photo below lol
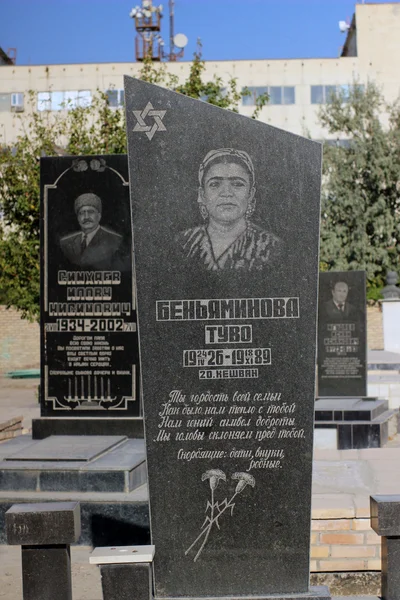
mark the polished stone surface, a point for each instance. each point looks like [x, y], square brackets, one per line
[351, 409]
[390, 568]
[46, 573]
[342, 344]
[121, 467]
[358, 435]
[65, 448]
[227, 335]
[43, 523]
[89, 343]
[46, 426]
[126, 582]
[385, 515]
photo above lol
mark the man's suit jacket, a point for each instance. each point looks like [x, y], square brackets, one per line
[97, 255]
[332, 311]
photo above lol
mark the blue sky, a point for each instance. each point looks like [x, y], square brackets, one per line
[74, 31]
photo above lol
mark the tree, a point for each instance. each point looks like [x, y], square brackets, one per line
[360, 226]
[83, 130]
[94, 129]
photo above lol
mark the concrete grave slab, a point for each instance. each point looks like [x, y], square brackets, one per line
[66, 448]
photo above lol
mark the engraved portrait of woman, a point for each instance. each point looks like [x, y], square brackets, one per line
[228, 239]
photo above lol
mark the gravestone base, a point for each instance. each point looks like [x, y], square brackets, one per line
[46, 572]
[73, 464]
[46, 426]
[314, 593]
[126, 581]
[359, 422]
[108, 518]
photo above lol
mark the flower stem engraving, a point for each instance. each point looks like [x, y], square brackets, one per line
[214, 476]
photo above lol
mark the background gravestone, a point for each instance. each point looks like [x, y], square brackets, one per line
[342, 343]
[89, 349]
[227, 342]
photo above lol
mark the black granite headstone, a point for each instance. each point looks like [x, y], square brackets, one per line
[342, 343]
[385, 521]
[89, 348]
[126, 582]
[226, 223]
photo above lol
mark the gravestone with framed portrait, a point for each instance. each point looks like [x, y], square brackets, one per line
[89, 347]
[345, 417]
[342, 343]
[226, 229]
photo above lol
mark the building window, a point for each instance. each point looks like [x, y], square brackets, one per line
[340, 143]
[44, 101]
[254, 93]
[277, 95]
[115, 98]
[288, 95]
[5, 102]
[321, 94]
[223, 92]
[17, 102]
[84, 98]
[66, 100]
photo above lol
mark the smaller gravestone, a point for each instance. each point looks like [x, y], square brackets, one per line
[89, 348]
[342, 344]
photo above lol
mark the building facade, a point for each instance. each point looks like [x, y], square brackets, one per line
[297, 87]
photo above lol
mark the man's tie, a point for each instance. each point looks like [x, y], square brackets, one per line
[341, 307]
[83, 244]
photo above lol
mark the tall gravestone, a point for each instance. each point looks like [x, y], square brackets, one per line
[342, 343]
[226, 224]
[89, 348]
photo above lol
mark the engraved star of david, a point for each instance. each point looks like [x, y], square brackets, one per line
[141, 124]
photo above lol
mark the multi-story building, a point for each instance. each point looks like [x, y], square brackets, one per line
[297, 87]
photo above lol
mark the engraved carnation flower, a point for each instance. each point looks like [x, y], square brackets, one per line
[98, 164]
[79, 165]
[214, 475]
[244, 479]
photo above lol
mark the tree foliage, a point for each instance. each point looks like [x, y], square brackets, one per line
[94, 129]
[360, 226]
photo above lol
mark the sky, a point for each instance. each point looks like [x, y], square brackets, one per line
[85, 31]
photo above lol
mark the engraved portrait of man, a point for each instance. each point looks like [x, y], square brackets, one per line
[94, 246]
[338, 308]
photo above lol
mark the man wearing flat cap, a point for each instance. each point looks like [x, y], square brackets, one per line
[94, 246]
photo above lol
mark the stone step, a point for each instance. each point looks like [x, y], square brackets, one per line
[349, 409]
[361, 434]
[107, 519]
[72, 464]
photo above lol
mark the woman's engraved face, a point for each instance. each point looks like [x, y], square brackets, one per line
[226, 192]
